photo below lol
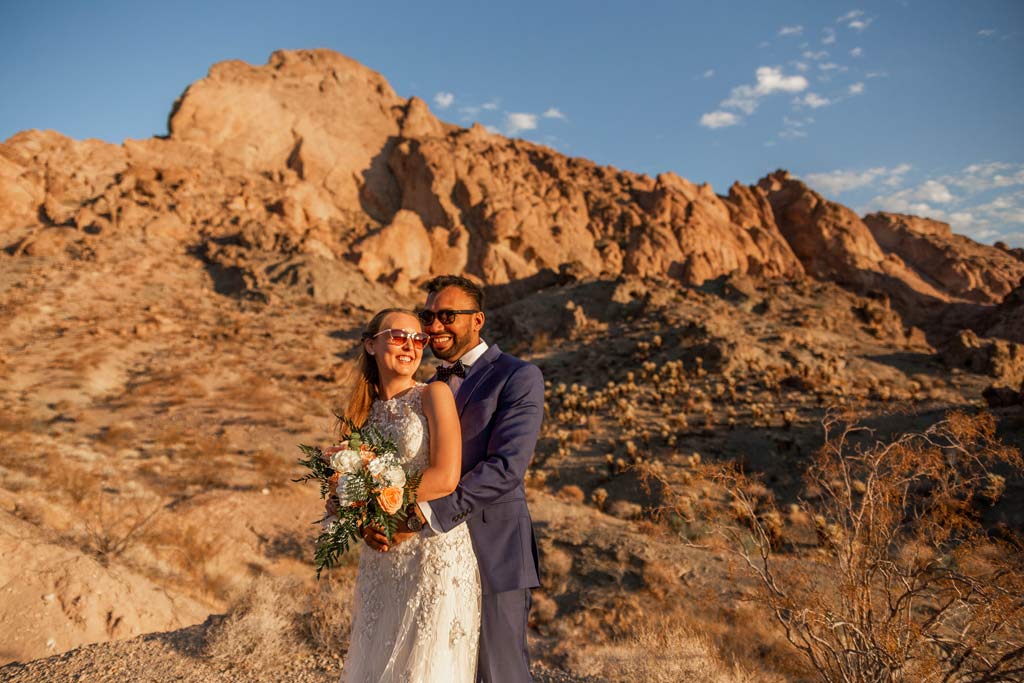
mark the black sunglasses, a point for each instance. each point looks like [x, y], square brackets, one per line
[446, 316]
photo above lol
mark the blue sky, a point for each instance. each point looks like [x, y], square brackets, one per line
[909, 106]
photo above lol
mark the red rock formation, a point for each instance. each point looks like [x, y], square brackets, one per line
[955, 264]
[833, 243]
[314, 157]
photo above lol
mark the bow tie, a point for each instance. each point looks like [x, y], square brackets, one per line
[458, 369]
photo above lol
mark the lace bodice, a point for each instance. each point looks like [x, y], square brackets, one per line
[403, 420]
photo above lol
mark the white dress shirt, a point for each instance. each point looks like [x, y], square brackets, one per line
[468, 358]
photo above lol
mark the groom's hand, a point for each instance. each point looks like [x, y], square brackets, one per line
[375, 538]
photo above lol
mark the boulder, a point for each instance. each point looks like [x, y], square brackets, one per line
[996, 358]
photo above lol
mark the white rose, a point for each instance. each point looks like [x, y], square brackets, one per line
[377, 467]
[346, 462]
[396, 476]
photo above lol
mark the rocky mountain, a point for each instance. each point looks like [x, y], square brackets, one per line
[311, 171]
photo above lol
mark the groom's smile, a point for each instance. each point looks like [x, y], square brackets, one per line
[440, 342]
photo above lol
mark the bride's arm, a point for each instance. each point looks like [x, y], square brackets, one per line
[442, 476]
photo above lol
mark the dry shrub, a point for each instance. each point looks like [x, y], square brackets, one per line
[557, 564]
[113, 526]
[907, 585]
[75, 483]
[571, 493]
[193, 549]
[663, 649]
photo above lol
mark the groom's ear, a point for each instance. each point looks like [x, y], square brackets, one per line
[478, 321]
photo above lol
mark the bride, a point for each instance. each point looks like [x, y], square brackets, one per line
[416, 612]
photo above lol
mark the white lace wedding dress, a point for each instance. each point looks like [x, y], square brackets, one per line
[416, 608]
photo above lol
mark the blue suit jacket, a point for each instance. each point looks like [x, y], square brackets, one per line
[501, 406]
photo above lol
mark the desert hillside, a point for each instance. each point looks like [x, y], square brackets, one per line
[177, 314]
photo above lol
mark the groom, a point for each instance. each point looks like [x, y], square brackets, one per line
[500, 400]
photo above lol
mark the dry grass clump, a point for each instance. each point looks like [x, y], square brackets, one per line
[277, 618]
[264, 626]
[662, 649]
[329, 616]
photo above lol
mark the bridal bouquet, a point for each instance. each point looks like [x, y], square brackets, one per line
[371, 486]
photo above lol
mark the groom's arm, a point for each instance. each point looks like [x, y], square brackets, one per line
[510, 448]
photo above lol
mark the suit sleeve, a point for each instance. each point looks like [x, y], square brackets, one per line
[510, 448]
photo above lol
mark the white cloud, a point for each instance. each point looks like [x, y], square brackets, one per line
[844, 180]
[983, 206]
[719, 119]
[986, 32]
[800, 66]
[519, 121]
[855, 19]
[815, 56]
[856, 52]
[770, 80]
[791, 30]
[856, 89]
[709, 73]
[489, 106]
[829, 37]
[469, 111]
[877, 74]
[553, 113]
[443, 100]
[933, 191]
[794, 128]
[814, 101]
[831, 66]
[894, 177]
[986, 176]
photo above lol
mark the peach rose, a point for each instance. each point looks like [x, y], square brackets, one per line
[390, 499]
[332, 482]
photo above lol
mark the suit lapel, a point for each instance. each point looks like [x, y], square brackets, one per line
[480, 369]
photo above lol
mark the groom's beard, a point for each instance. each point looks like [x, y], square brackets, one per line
[453, 350]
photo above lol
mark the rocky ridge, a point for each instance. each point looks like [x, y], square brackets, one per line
[310, 171]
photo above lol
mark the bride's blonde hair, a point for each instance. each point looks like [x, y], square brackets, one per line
[366, 381]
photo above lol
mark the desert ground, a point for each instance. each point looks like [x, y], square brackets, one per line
[178, 314]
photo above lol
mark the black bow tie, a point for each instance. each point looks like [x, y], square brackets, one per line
[458, 369]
